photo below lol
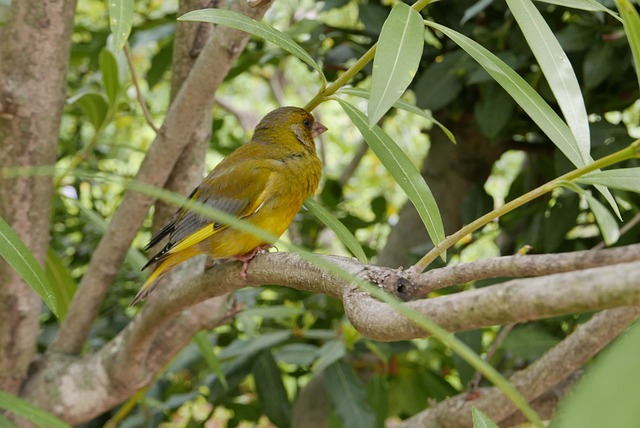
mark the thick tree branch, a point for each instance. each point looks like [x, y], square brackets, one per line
[169, 318]
[196, 95]
[551, 369]
[34, 53]
[519, 266]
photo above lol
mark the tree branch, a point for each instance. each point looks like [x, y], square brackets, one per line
[550, 370]
[196, 95]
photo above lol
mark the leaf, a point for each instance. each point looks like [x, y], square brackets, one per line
[254, 345]
[62, 283]
[328, 354]
[441, 81]
[202, 342]
[606, 222]
[402, 170]
[110, 78]
[526, 97]
[94, 105]
[493, 111]
[607, 396]
[557, 69]
[22, 408]
[480, 420]
[5, 422]
[378, 398]
[632, 30]
[18, 256]
[597, 65]
[396, 61]
[623, 179]
[402, 104]
[301, 354]
[348, 396]
[588, 5]
[120, 21]
[344, 235]
[241, 22]
[271, 392]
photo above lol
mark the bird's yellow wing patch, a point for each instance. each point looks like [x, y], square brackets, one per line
[195, 237]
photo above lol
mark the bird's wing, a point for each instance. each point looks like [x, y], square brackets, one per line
[238, 190]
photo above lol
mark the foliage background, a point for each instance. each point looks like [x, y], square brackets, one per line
[287, 354]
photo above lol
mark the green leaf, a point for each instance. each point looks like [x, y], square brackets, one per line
[348, 396]
[623, 179]
[328, 354]
[344, 235]
[480, 420]
[402, 170]
[557, 69]
[271, 392]
[120, 21]
[94, 105]
[62, 283]
[18, 256]
[301, 354]
[632, 30]
[598, 64]
[441, 82]
[241, 22]
[22, 408]
[608, 395]
[402, 104]
[588, 5]
[110, 78]
[526, 97]
[378, 398]
[254, 345]
[493, 111]
[396, 60]
[5, 422]
[606, 222]
[202, 342]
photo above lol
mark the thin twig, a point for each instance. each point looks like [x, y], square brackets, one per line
[134, 78]
[624, 229]
[494, 347]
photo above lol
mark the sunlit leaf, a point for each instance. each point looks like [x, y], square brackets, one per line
[344, 235]
[632, 30]
[120, 21]
[402, 170]
[18, 256]
[556, 68]
[480, 420]
[396, 60]
[241, 22]
[22, 408]
[623, 179]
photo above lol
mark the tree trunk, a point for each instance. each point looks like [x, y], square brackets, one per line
[33, 69]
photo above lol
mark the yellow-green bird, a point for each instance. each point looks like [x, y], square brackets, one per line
[264, 182]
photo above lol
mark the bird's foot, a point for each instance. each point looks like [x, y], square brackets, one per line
[247, 257]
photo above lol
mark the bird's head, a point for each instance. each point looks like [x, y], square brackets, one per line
[289, 124]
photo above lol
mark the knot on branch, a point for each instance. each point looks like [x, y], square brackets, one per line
[394, 281]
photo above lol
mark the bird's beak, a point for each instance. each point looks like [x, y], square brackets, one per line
[317, 128]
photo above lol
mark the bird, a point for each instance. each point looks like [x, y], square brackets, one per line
[264, 182]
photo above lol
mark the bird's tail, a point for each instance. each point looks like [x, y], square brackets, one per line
[162, 268]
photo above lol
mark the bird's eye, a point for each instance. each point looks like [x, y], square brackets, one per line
[307, 123]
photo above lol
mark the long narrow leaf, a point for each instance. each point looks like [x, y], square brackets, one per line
[18, 256]
[201, 341]
[396, 60]
[273, 396]
[348, 396]
[623, 179]
[403, 105]
[120, 21]
[344, 235]
[556, 68]
[480, 420]
[589, 5]
[632, 30]
[402, 170]
[24, 409]
[241, 22]
[526, 97]
[62, 283]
